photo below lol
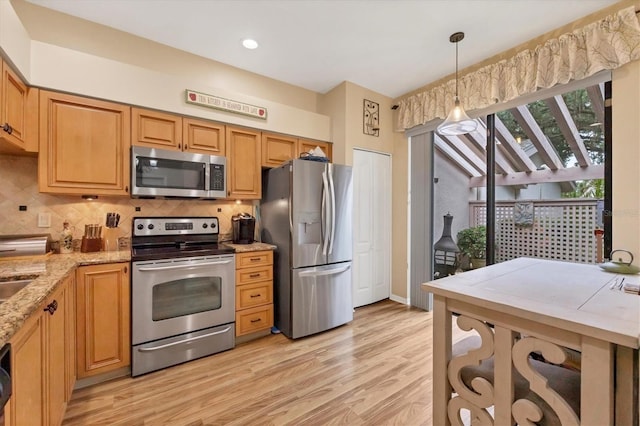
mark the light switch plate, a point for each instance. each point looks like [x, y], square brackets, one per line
[44, 220]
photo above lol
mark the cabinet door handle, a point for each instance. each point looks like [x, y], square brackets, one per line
[255, 295]
[254, 275]
[179, 146]
[256, 320]
[126, 189]
[255, 259]
[126, 269]
[7, 128]
[185, 146]
[52, 307]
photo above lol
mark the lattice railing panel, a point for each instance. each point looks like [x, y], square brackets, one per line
[561, 230]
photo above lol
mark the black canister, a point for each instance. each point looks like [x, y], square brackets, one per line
[244, 226]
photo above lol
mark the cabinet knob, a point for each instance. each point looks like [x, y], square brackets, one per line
[185, 146]
[7, 128]
[179, 146]
[126, 189]
[126, 269]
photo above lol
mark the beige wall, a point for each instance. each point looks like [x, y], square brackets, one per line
[626, 158]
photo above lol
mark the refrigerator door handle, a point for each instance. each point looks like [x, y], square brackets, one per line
[325, 213]
[325, 272]
[332, 192]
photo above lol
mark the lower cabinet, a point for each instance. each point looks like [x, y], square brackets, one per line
[40, 358]
[254, 292]
[103, 311]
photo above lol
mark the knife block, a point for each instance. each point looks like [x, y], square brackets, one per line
[90, 244]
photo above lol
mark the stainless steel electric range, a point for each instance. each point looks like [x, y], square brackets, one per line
[182, 291]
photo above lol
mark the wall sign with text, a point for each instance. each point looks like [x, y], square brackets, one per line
[223, 104]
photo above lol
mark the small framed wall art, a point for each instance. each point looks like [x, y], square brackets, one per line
[370, 118]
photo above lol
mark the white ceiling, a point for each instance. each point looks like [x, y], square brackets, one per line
[389, 46]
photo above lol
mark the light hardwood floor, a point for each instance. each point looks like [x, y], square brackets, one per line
[374, 371]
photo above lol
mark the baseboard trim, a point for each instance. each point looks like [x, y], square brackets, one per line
[399, 299]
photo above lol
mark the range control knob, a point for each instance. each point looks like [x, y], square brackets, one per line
[213, 225]
[150, 226]
[140, 226]
[205, 226]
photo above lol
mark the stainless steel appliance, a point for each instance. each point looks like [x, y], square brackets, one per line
[182, 291]
[306, 212]
[243, 226]
[163, 173]
[24, 245]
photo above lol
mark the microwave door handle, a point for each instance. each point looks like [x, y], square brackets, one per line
[165, 268]
[325, 213]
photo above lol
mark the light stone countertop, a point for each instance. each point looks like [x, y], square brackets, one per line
[243, 248]
[49, 272]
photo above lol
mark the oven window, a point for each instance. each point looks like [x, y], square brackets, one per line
[165, 173]
[186, 296]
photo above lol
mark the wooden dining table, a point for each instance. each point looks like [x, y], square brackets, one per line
[524, 306]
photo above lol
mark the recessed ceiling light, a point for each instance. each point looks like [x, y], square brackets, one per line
[250, 43]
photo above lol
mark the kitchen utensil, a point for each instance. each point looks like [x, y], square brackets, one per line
[619, 266]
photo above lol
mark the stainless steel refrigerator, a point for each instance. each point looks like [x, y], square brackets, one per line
[306, 211]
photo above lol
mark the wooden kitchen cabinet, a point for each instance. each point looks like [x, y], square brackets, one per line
[41, 353]
[203, 137]
[254, 291]
[155, 129]
[84, 145]
[305, 145]
[103, 312]
[243, 164]
[28, 374]
[18, 114]
[57, 354]
[276, 149]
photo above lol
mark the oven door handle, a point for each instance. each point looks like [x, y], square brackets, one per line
[181, 342]
[164, 268]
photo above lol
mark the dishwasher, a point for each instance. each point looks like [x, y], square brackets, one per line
[5, 379]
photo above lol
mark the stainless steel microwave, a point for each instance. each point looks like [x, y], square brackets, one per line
[163, 173]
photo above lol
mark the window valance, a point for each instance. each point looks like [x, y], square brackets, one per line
[602, 45]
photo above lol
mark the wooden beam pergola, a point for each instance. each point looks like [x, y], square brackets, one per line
[455, 158]
[479, 140]
[560, 112]
[463, 150]
[523, 162]
[596, 95]
[568, 174]
[532, 129]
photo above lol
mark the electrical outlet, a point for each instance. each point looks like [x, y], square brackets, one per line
[44, 220]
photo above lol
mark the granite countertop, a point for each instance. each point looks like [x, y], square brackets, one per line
[47, 273]
[243, 248]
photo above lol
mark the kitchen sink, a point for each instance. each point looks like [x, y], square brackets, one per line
[9, 288]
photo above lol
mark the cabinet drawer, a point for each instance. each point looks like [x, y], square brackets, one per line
[254, 319]
[253, 275]
[250, 295]
[256, 258]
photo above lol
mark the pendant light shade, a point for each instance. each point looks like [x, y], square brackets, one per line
[457, 122]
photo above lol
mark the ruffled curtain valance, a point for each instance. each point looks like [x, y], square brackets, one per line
[602, 45]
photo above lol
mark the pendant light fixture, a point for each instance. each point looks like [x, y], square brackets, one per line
[457, 122]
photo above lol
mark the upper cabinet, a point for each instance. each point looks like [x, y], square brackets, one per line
[18, 114]
[243, 164]
[203, 137]
[156, 129]
[84, 145]
[276, 149]
[306, 145]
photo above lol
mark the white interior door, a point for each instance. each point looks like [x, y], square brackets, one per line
[371, 227]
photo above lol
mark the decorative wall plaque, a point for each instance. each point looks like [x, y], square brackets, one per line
[216, 102]
[370, 118]
[523, 214]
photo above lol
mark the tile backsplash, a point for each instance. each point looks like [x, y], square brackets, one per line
[19, 187]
